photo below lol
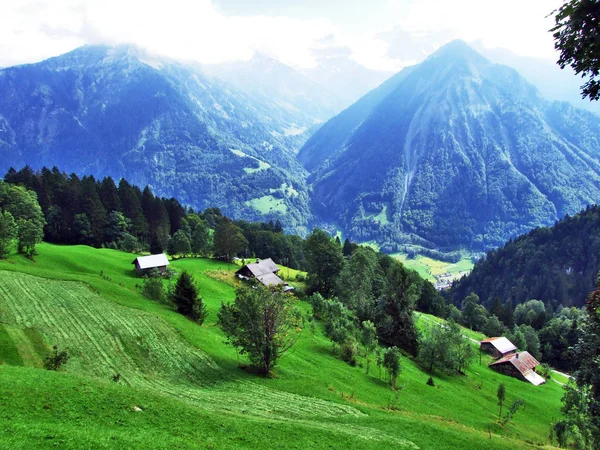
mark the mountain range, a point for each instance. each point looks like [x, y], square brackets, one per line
[453, 152]
[456, 151]
[120, 112]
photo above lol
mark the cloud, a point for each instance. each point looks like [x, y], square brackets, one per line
[520, 26]
[400, 31]
[181, 29]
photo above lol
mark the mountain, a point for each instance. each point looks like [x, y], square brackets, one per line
[453, 152]
[120, 112]
[343, 76]
[553, 82]
[281, 87]
[556, 264]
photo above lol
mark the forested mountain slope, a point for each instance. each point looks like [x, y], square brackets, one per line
[453, 152]
[557, 265]
[122, 113]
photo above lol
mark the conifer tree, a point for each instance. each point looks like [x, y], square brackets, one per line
[187, 300]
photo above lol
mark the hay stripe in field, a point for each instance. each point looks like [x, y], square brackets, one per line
[107, 338]
[9, 354]
[24, 347]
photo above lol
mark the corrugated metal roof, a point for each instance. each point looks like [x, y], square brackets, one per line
[270, 279]
[263, 267]
[502, 344]
[148, 262]
[533, 378]
[522, 361]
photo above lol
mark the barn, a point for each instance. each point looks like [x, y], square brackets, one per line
[497, 346]
[519, 365]
[263, 270]
[144, 264]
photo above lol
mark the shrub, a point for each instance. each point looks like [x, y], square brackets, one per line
[348, 351]
[56, 359]
[154, 290]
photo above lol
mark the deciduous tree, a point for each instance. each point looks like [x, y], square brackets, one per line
[262, 323]
[577, 38]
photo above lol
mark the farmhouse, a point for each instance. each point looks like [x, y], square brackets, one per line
[265, 271]
[519, 365]
[144, 264]
[497, 346]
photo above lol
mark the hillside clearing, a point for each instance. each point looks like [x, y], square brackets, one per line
[314, 400]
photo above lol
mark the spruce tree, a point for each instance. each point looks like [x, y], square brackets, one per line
[187, 300]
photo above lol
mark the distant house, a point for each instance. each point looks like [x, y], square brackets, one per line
[519, 365]
[144, 264]
[265, 271]
[497, 346]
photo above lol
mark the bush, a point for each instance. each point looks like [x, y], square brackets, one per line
[348, 351]
[300, 277]
[430, 382]
[57, 359]
[154, 290]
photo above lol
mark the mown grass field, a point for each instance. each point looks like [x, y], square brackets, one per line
[189, 383]
[267, 204]
[430, 268]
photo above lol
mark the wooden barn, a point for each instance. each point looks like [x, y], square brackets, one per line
[497, 346]
[519, 365]
[144, 264]
[265, 271]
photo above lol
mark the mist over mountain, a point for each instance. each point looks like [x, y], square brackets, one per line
[454, 152]
[120, 112]
[337, 72]
[283, 89]
[553, 82]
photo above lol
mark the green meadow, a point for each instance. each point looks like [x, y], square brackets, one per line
[430, 268]
[181, 386]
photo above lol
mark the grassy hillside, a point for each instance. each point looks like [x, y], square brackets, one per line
[435, 270]
[188, 382]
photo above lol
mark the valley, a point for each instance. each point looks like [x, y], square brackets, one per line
[273, 225]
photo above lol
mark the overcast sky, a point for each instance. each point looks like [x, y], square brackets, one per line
[380, 34]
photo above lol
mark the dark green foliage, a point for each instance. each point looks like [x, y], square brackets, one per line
[229, 240]
[355, 282]
[8, 232]
[474, 315]
[56, 359]
[368, 339]
[446, 349]
[556, 265]
[576, 426]
[154, 290]
[23, 206]
[430, 382]
[186, 299]
[262, 323]
[201, 241]
[179, 244]
[144, 221]
[391, 363]
[576, 36]
[324, 260]
[349, 351]
[501, 395]
[394, 316]
[581, 404]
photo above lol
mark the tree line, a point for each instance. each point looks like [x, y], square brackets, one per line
[99, 213]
